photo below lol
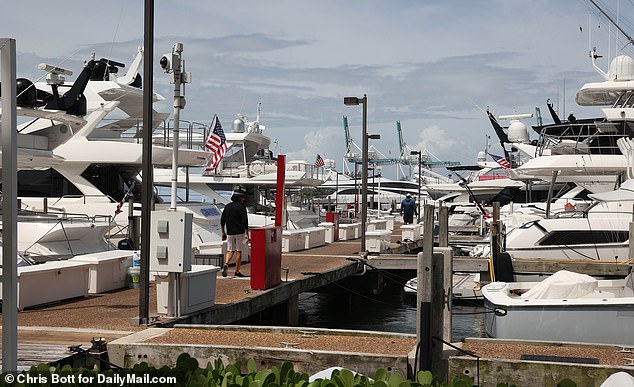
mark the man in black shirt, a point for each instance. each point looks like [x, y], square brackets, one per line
[234, 223]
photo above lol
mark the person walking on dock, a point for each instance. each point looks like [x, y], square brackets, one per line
[234, 223]
[408, 209]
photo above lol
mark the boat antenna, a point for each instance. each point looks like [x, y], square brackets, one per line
[628, 37]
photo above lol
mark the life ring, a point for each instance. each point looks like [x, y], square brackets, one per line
[256, 168]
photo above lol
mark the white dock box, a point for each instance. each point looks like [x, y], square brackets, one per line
[108, 269]
[411, 232]
[348, 231]
[294, 240]
[377, 224]
[378, 240]
[197, 290]
[315, 237]
[390, 222]
[330, 231]
[50, 282]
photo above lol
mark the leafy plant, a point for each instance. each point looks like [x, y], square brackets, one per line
[187, 372]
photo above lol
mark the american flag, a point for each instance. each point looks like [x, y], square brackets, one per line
[319, 162]
[501, 160]
[216, 144]
[125, 197]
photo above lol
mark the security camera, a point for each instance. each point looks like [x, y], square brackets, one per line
[165, 63]
[170, 62]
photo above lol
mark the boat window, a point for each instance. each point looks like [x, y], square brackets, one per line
[233, 156]
[581, 237]
[44, 183]
[113, 180]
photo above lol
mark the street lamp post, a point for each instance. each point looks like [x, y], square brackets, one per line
[380, 168]
[364, 170]
[419, 153]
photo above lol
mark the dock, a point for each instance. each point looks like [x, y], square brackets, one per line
[47, 332]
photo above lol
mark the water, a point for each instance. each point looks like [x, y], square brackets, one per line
[349, 307]
[391, 311]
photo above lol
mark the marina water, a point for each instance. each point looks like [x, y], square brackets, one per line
[390, 311]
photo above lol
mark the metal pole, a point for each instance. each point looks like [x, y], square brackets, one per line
[379, 197]
[337, 192]
[148, 178]
[419, 183]
[364, 173]
[178, 49]
[9, 205]
[550, 193]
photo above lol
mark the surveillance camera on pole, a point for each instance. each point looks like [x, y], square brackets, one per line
[170, 62]
[173, 64]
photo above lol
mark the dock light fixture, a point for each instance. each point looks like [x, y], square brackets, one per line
[419, 153]
[349, 101]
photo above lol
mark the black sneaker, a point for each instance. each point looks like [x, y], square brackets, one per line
[224, 270]
[238, 274]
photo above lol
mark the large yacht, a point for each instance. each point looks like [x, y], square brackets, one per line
[74, 162]
[599, 230]
[249, 164]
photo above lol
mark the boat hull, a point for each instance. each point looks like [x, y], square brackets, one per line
[596, 320]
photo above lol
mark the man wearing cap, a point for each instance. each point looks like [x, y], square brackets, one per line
[408, 209]
[234, 223]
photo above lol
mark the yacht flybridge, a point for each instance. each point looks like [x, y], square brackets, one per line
[73, 159]
[248, 163]
[595, 154]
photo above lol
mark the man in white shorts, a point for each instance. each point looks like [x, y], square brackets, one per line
[234, 223]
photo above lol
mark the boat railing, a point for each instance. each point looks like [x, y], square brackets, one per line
[54, 222]
[192, 134]
[67, 217]
[581, 138]
[55, 205]
[310, 170]
[570, 214]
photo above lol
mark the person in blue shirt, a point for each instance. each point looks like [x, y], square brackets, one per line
[408, 209]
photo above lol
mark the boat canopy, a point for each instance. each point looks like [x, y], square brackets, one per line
[562, 284]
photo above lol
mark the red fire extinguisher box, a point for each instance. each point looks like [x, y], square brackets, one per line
[266, 257]
[333, 217]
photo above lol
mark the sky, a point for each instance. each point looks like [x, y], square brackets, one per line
[435, 66]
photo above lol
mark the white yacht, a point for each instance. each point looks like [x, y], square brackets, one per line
[585, 151]
[566, 306]
[86, 165]
[600, 230]
[384, 192]
[248, 163]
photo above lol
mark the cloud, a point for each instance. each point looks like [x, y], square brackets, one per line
[431, 65]
[328, 142]
[435, 140]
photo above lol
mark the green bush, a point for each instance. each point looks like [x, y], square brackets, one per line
[187, 372]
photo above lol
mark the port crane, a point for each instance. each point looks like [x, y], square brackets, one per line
[353, 154]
